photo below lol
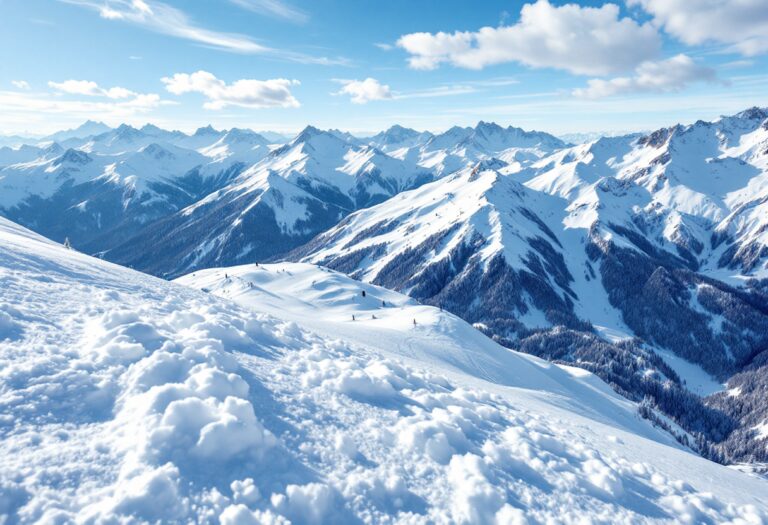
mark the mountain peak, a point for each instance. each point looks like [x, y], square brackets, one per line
[488, 126]
[73, 156]
[151, 128]
[93, 124]
[207, 130]
[157, 152]
[309, 133]
[753, 113]
[127, 132]
[53, 149]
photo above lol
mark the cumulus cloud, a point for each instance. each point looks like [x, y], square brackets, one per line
[743, 24]
[582, 40]
[168, 20]
[672, 74]
[248, 93]
[21, 84]
[364, 91]
[91, 89]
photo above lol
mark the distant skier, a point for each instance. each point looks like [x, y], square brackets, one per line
[353, 317]
[414, 322]
[363, 293]
[383, 304]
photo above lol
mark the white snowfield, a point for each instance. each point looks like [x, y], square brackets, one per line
[128, 399]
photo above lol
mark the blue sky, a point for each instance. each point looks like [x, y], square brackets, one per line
[363, 65]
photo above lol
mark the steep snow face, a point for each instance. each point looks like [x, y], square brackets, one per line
[167, 404]
[700, 189]
[244, 145]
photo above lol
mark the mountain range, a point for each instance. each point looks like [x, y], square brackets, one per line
[641, 258]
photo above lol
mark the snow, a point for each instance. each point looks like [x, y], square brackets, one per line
[130, 399]
[762, 430]
[696, 379]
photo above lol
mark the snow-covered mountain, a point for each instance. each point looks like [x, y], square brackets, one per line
[89, 128]
[658, 237]
[98, 199]
[127, 398]
[101, 189]
[700, 191]
[297, 191]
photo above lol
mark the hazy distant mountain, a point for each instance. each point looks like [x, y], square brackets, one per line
[86, 129]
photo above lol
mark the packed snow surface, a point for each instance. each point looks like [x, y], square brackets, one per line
[127, 399]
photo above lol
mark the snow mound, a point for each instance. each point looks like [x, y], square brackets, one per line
[124, 398]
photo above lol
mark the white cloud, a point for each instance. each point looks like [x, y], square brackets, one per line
[582, 40]
[668, 75]
[91, 89]
[21, 84]
[439, 91]
[364, 91]
[276, 8]
[17, 106]
[383, 46]
[742, 24]
[165, 19]
[274, 93]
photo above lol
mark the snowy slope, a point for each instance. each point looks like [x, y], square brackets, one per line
[161, 403]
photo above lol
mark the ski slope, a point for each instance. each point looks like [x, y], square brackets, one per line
[326, 301]
[128, 399]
